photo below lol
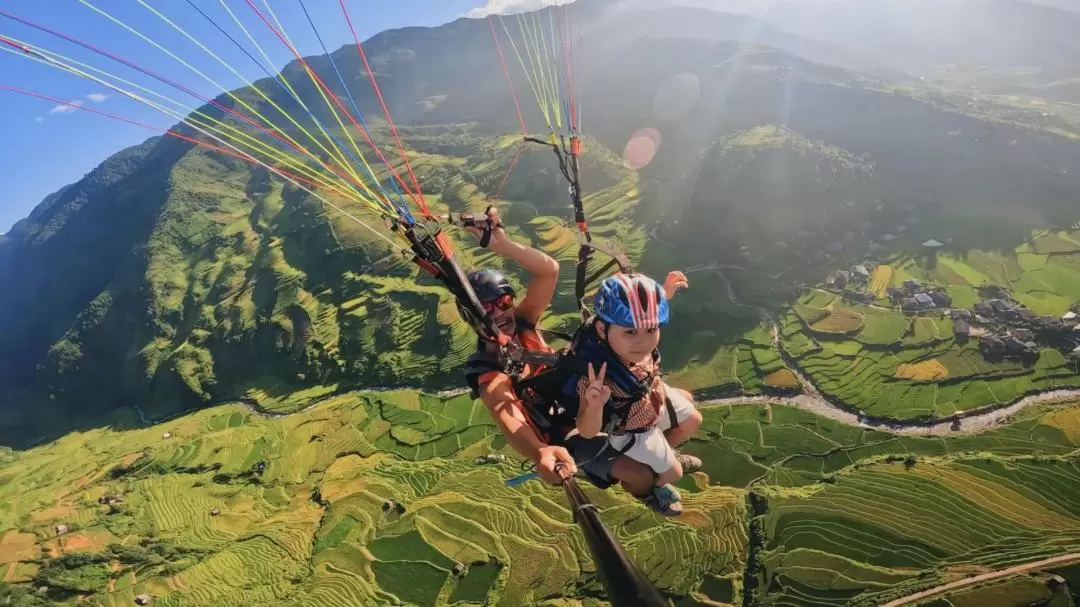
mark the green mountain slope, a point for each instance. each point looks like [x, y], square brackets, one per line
[246, 287]
[171, 278]
[195, 356]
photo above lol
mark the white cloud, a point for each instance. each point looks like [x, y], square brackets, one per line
[507, 7]
[66, 109]
[97, 97]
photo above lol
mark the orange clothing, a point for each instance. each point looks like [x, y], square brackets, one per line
[530, 339]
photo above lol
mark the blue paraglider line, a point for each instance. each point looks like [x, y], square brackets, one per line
[402, 208]
[277, 79]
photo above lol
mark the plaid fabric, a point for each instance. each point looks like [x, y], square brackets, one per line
[642, 413]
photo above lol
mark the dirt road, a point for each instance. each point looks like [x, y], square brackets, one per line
[1064, 559]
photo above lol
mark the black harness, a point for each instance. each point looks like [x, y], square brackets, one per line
[550, 398]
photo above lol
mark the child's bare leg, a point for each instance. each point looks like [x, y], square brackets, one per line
[672, 474]
[636, 478]
[688, 426]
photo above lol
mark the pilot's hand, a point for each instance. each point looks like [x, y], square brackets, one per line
[554, 464]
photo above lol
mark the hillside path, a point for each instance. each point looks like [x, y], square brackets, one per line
[986, 577]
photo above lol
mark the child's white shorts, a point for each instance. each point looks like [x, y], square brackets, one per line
[649, 447]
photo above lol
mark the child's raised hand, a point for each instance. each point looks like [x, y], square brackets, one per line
[597, 394]
[675, 280]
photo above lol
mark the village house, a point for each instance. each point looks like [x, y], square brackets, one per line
[1024, 335]
[983, 309]
[961, 328]
[991, 345]
[1014, 346]
[924, 301]
[1051, 322]
[941, 299]
[961, 314]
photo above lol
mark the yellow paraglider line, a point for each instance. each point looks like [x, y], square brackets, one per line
[255, 112]
[322, 94]
[34, 54]
[530, 76]
[52, 59]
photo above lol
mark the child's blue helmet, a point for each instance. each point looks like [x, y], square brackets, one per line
[632, 300]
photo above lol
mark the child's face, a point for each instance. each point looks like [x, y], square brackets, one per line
[631, 345]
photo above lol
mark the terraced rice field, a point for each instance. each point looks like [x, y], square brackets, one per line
[314, 528]
[839, 322]
[906, 367]
[854, 516]
[858, 517]
[881, 280]
[746, 367]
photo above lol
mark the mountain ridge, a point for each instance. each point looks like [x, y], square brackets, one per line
[226, 280]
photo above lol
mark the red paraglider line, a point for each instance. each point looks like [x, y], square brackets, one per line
[517, 106]
[506, 72]
[168, 132]
[176, 85]
[386, 111]
[318, 81]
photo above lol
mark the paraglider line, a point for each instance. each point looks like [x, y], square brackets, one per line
[386, 111]
[288, 90]
[356, 108]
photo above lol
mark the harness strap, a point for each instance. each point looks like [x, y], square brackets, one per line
[629, 445]
[672, 416]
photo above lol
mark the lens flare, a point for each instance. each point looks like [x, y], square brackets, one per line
[677, 96]
[642, 148]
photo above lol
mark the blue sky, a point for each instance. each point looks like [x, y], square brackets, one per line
[46, 147]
